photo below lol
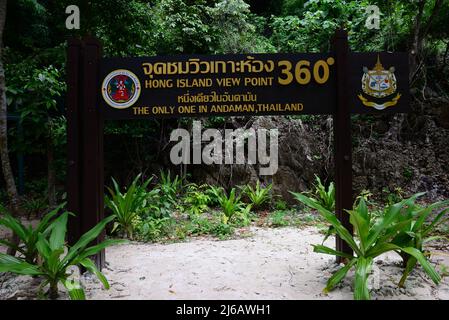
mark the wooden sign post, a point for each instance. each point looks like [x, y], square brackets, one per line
[85, 190]
[342, 141]
[338, 83]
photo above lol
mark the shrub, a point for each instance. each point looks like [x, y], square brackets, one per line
[200, 225]
[258, 196]
[278, 219]
[158, 205]
[230, 205]
[215, 193]
[55, 258]
[322, 196]
[244, 216]
[325, 197]
[415, 231]
[127, 206]
[394, 196]
[170, 188]
[222, 230]
[153, 228]
[28, 235]
[280, 205]
[196, 200]
[374, 238]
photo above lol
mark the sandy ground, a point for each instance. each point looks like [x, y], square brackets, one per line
[270, 264]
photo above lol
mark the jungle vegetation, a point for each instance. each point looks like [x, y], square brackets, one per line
[152, 205]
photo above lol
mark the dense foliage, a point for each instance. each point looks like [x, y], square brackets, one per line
[35, 57]
[394, 229]
[166, 206]
[45, 254]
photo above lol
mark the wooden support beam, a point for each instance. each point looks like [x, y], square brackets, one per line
[73, 139]
[342, 140]
[85, 140]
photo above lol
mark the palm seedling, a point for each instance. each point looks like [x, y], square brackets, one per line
[196, 200]
[418, 228]
[127, 205]
[214, 193]
[326, 197]
[170, 187]
[55, 258]
[259, 195]
[28, 235]
[374, 237]
[230, 205]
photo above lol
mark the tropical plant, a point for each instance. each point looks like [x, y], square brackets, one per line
[55, 258]
[278, 218]
[35, 205]
[325, 197]
[170, 187]
[280, 205]
[28, 235]
[244, 215]
[230, 205]
[153, 228]
[222, 230]
[157, 206]
[374, 239]
[394, 196]
[126, 206]
[200, 224]
[196, 200]
[259, 195]
[417, 230]
[215, 193]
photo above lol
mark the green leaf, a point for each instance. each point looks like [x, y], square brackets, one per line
[381, 248]
[433, 238]
[339, 275]
[86, 238]
[423, 214]
[15, 226]
[43, 247]
[97, 248]
[431, 272]
[411, 263]
[388, 219]
[75, 290]
[90, 266]
[12, 264]
[435, 222]
[57, 236]
[43, 224]
[326, 250]
[362, 271]
[362, 209]
[332, 219]
[361, 226]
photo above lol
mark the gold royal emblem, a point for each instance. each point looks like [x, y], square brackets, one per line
[379, 83]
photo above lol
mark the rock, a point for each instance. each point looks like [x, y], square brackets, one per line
[303, 151]
[408, 151]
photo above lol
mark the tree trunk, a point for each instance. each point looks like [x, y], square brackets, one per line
[417, 40]
[419, 33]
[51, 175]
[4, 155]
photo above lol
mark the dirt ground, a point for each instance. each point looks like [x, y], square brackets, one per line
[269, 264]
